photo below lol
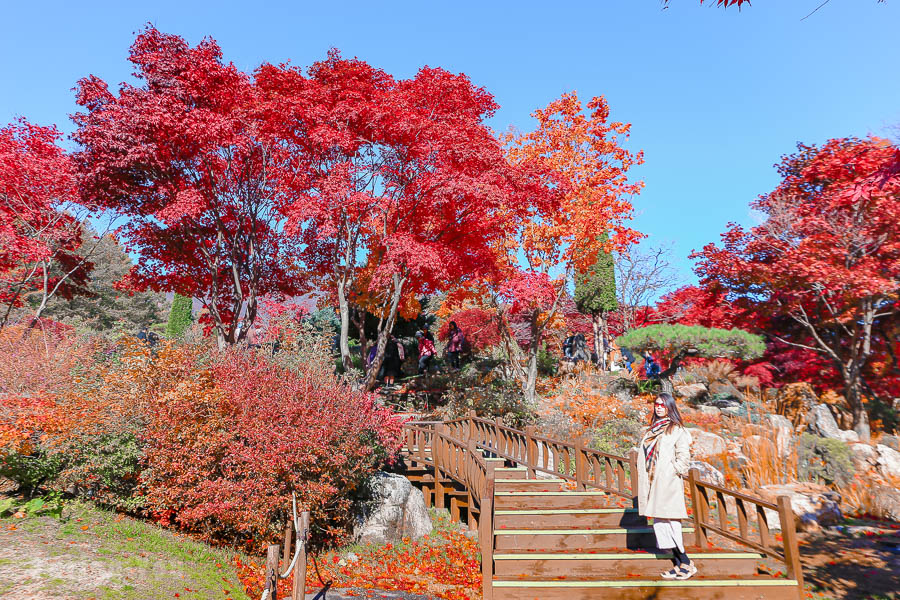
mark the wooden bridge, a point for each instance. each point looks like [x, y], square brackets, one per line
[557, 520]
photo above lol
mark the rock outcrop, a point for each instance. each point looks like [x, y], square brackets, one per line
[395, 511]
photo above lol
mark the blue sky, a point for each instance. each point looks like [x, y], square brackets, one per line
[715, 96]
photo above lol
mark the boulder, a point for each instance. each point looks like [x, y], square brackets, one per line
[784, 433]
[822, 423]
[864, 456]
[813, 505]
[708, 472]
[891, 441]
[710, 410]
[725, 390]
[396, 510]
[756, 446]
[734, 411]
[888, 461]
[849, 436]
[729, 402]
[693, 391]
[886, 502]
[706, 444]
[779, 422]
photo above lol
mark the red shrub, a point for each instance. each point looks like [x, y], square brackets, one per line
[226, 447]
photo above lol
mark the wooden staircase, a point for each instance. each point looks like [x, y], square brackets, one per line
[557, 521]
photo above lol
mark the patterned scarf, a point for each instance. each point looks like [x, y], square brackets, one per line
[650, 443]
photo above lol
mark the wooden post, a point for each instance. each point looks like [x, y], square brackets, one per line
[498, 423]
[286, 549]
[486, 535]
[472, 415]
[437, 453]
[633, 471]
[531, 451]
[697, 506]
[299, 590]
[272, 570]
[580, 471]
[789, 535]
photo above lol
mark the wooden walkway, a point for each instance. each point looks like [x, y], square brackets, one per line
[557, 520]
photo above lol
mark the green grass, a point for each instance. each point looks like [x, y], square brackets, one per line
[137, 560]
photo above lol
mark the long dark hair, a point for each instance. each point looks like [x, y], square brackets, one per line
[671, 412]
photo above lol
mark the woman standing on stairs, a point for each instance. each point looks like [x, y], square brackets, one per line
[664, 457]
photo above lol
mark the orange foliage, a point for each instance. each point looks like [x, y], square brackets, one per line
[584, 151]
[442, 565]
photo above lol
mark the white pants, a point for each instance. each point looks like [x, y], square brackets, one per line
[668, 533]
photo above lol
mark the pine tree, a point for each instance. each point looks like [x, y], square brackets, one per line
[179, 316]
[595, 294]
[107, 308]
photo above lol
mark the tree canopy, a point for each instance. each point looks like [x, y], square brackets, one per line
[705, 342]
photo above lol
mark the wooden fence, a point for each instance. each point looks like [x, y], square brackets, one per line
[279, 562]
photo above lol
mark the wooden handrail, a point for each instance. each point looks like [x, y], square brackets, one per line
[461, 458]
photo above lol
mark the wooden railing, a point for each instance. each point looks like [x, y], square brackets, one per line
[456, 450]
[752, 529]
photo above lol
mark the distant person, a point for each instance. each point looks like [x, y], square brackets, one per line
[427, 333]
[426, 351]
[253, 336]
[393, 360]
[628, 357]
[568, 346]
[579, 348]
[455, 344]
[651, 367]
[370, 356]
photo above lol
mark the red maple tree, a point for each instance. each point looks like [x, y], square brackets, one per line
[40, 224]
[407, 186]
[187, 158]
[822, 269]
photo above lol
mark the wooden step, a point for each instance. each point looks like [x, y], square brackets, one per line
[549, 500]
[574, 540]
[567, 518]
[611, 564]
[641, 588]
[530, 485]
[510, 473]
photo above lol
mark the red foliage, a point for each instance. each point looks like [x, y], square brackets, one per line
[187, 158]
[226, 447]
[698, 305]
[480, 327]
[405, 189]
[37, 185]
[820, 273]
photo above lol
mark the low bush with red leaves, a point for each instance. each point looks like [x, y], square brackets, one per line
[225, 449]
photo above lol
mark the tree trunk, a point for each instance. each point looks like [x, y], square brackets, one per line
[344, 314]
[359, 320]
[854, 396]
[597, 323]
[665, 377]
[384, 331]
[533, 350]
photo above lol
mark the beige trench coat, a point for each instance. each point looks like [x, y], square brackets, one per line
[665, 498]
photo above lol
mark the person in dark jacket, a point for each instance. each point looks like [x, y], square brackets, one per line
[393, 359]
